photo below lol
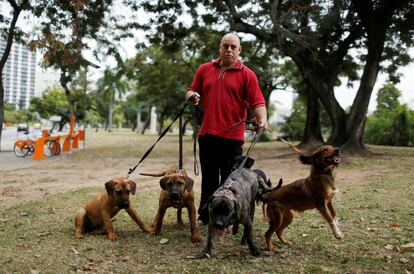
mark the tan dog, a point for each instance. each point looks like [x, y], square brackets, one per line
[96, 215]
[176, 191]
[315, 191]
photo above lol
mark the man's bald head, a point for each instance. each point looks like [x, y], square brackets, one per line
[229, 49]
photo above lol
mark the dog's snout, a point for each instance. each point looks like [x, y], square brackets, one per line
[219, 224]
[175, 196]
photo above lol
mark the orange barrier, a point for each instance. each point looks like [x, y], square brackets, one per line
[38, 153]
[81, 135]
[75, 143]
[66, 143]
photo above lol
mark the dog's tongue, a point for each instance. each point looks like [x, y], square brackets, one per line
[219, 232]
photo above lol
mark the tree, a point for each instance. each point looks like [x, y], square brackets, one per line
[108, 87]
[9, 31]
[317, 36]
[65, 35]
[391, 123]
[53, 102]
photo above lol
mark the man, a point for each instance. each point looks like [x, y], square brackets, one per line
[227, 88]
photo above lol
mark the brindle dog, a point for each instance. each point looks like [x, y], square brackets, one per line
[232, 204]
[176, 191]
[314, 191]
[96, 215]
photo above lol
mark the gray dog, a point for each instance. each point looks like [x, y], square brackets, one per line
[232, 204]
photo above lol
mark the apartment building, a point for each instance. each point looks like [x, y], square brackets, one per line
[19, 75]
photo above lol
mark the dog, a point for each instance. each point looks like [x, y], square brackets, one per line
[314, 191]
[232, 204]
[176, 191]
[96, 215]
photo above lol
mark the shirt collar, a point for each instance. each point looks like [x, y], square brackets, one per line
[237, 66]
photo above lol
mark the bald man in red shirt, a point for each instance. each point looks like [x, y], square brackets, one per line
[227, 88]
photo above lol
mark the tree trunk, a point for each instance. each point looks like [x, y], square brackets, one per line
[147, 121]
[16, 12]
[312, 136]
[356, 123]
[161, 122]
[110, 110]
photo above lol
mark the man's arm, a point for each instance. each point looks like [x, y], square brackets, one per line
[260, 114]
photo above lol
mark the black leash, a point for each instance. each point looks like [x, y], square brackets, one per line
[255, 140]
[131, 170]
[195, 134]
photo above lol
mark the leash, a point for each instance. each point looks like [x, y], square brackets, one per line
[196, 167]
[180, 145]
[293, 147]
[254, 124]
[255, 140]
[131, 170]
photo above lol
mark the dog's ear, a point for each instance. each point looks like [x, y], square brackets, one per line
[109, 186]
[189, 184]
[306, 160]
[133, 186]
[163, 182]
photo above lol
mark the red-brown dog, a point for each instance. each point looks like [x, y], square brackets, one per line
[96, 215]
[315, 191]
[176, 191]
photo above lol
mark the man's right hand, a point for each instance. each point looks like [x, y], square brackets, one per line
[193, 97]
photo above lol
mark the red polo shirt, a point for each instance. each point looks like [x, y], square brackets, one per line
[225, 96]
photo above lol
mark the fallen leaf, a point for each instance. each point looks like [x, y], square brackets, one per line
[191, 257]
[407, 246]
[393, 225]
[164, 241]
[37, 256]
[23, 213]
[304, 235]
[34, 271]
[387, 258]
[75, 251]
[404, 260]
[372, 229]
[389, 247]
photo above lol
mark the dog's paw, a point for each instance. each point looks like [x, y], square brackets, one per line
[112, 236]
[196, 239]
[339, 235]
[79, 236]
[255, 252]
[204, 255]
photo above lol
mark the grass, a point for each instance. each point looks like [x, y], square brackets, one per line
[376, 216]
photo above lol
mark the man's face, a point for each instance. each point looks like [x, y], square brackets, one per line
[229, 49]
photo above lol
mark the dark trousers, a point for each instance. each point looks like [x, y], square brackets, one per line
[216, 159]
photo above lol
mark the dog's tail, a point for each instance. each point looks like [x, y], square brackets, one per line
[264, 190]
[154, 174]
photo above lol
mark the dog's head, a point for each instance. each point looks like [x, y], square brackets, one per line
[223, 210]
[325, 158]
[119, 189]
[175, 184]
